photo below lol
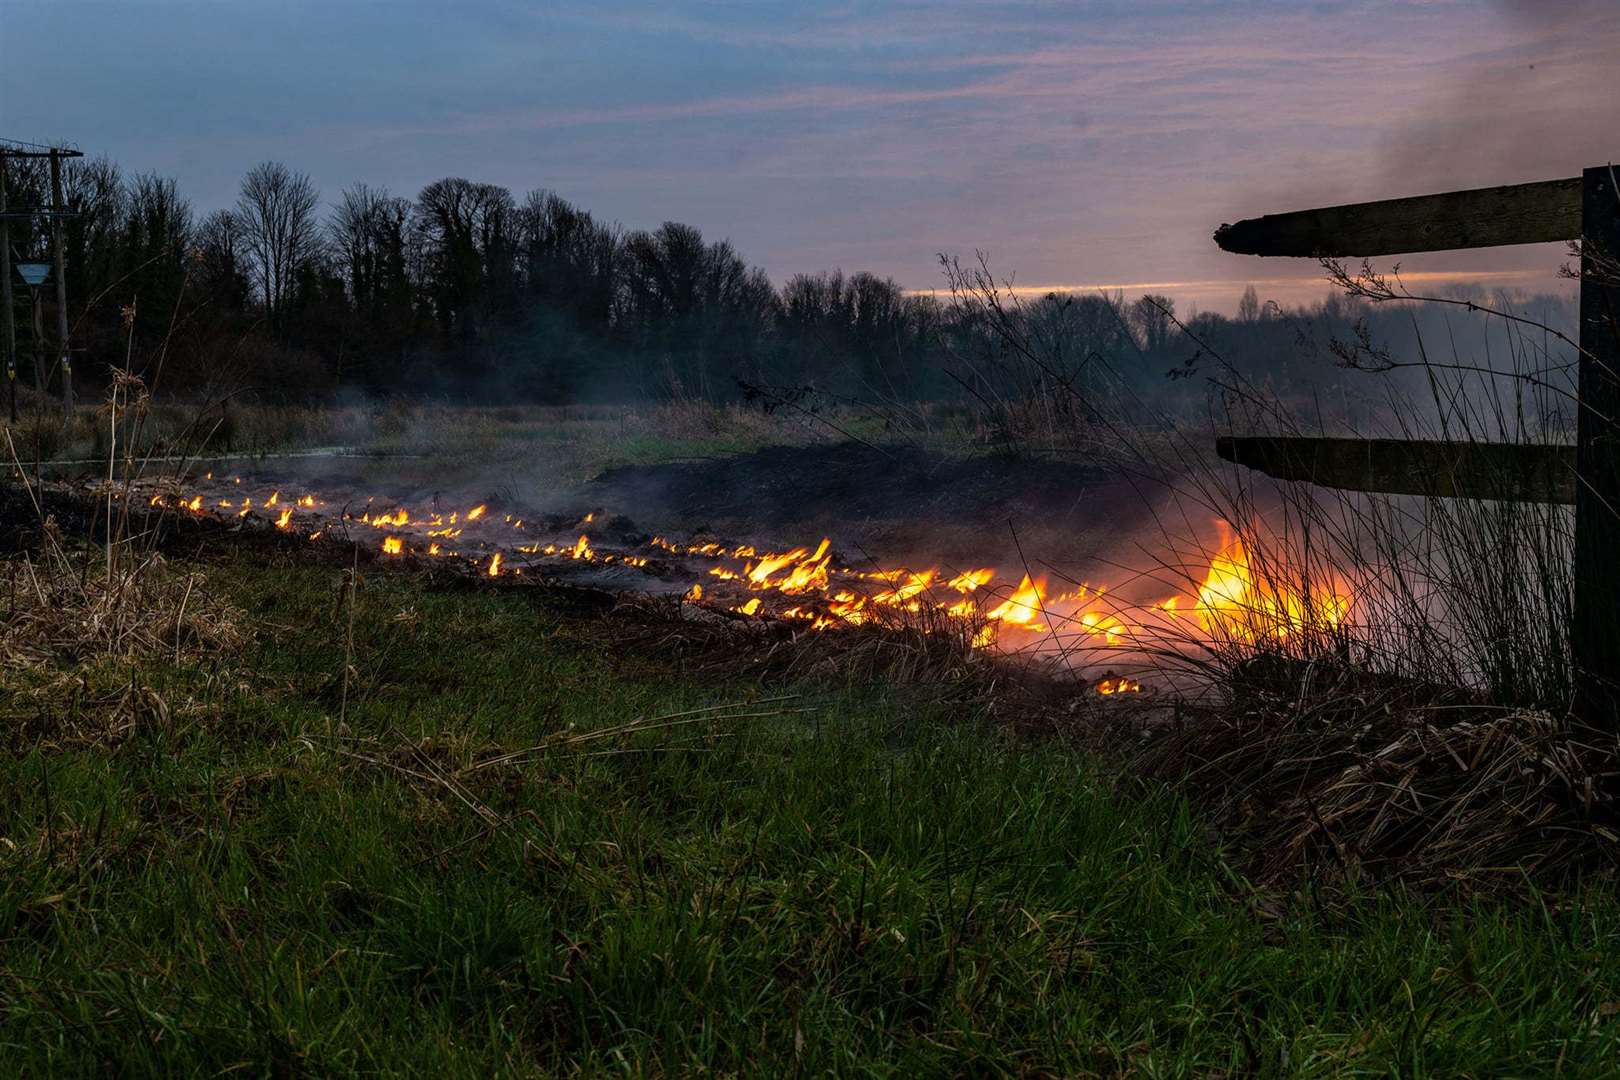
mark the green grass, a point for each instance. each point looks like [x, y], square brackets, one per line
[881, 885]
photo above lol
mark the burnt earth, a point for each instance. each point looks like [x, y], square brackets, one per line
[893, 501]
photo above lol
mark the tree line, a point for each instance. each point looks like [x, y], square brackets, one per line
[469, 292]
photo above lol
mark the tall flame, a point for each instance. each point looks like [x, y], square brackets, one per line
[1242, 605]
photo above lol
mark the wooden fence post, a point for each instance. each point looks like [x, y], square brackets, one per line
[1595, 637]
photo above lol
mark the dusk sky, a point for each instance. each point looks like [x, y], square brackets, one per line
[1081, 145]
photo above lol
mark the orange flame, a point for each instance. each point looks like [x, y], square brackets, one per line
[1236, 598]
[969, 580]
[1239, 604]
[1022, 606]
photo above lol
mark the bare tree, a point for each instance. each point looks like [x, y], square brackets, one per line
[1153, 317]
[696, 310]
[94, 189]
[467, 236]
[222, 269]
[157, 217]
[367, 236]
[570, 262]
[276, 215]
[1249, 306]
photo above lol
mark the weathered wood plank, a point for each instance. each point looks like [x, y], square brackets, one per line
[1523, 473]
[1484, 217]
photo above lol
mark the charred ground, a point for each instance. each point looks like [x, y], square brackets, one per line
[891, 500]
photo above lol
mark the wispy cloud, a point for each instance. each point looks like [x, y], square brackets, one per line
[1089, 142]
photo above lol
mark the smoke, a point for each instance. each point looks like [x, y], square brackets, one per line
[1537, 104]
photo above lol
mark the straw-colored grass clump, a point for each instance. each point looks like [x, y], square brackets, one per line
[66, 606]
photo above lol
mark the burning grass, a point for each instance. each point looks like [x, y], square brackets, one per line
[1194, 624]
[1215, 594]
[1249, 594]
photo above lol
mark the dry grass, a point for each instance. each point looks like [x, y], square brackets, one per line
[72, 603]
[63, 607]
[1349, 775]
[399, 427]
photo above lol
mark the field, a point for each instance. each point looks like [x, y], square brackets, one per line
[298, 812]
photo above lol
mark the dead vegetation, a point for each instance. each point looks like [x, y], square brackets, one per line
[901, 647]
[1328, 771]
[109, 594]
[63, 607]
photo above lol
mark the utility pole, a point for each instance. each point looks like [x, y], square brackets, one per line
[5, 296]
[57, 210]
[54, 213]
